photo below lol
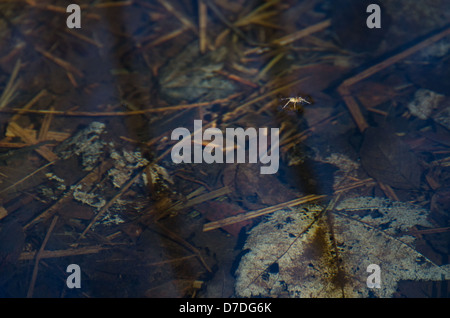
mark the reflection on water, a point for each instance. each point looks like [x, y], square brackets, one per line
[87, 170]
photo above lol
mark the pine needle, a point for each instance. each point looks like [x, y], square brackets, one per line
[11, 87]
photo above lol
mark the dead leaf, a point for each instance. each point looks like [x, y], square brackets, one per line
[253, 189]
[389, 160]
[189, 75]
[371, 94]
[215, 210]
[305, 253]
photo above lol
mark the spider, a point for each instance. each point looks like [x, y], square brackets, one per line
[295, 100]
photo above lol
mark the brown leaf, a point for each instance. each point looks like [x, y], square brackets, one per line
[253, 189]
[215, 210]
[388, 159]
[371, 94]
[440, 205]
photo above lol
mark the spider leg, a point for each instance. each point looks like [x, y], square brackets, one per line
[286, 103]
[304, 100]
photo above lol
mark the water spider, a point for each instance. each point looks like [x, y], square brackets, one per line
[295, 100]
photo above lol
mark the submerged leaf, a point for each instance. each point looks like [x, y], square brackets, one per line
[388, 159]
[303, 253]
[190, 76]
[214, 210]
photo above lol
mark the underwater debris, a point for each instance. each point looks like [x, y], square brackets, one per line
[429, 104]
[190, 75]
[160, 174]
[88, 198]
[89, 145]
[124, 165]
[346, 166]
[424, 102]
[388, 159]
[86, 144]
[327, 256]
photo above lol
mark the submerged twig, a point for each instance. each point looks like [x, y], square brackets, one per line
[166, 37]
[88, 179]
[43, 131]
[113, 4]
[179, 15]
[253, 214]
[38, 256]
[29, 104]
[15, 184]
[203, 20]
[11, 87]
[43, 151]
[344, 88]
[112, 201]
[125, 113]
[294, 36]
[396, 58]
[183, 242]
[62, 63]
[240, 109]
[63, 253]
